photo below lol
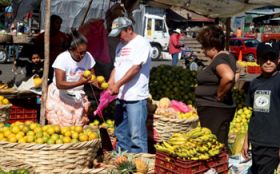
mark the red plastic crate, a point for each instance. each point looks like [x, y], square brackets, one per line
[21, 113]
[166, 164]
[23, 120]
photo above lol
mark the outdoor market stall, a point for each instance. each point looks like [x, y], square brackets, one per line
[182, 146]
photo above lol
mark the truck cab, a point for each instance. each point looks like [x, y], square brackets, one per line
[151, 23]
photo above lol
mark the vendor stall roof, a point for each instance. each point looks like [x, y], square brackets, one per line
[221, 8]
[182, 15]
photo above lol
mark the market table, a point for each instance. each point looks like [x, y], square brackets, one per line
[15, 94]
[246, 78]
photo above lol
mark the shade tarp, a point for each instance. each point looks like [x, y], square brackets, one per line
[221, 8]
[183, 15]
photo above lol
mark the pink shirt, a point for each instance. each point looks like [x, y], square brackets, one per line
[174, 43]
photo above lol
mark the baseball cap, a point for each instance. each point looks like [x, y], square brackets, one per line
[177, 30]
[268, 50]
[118, 24]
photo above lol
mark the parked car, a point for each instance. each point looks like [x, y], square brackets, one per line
[268, 37]
[248, 46]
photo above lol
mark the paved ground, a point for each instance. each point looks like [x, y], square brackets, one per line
[7, 74]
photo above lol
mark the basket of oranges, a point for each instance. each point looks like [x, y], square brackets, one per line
[50, 148]
[5, 108]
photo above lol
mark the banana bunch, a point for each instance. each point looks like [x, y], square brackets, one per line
[3, 86]
[188, 115]
[197, 144]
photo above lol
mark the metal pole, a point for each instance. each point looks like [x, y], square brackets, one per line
[46, 61]
[227, 32]
[86, 13]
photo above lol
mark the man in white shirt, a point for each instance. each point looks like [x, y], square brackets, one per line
[130, 81]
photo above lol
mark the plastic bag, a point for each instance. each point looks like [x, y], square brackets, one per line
[105, 99]
[179, 106]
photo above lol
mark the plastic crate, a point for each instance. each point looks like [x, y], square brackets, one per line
[166, 164]
[22, 120]
[21, 113]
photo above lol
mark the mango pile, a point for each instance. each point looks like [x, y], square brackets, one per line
[173, 82]
[239, 124]
[239, 97]
[197, 144]
[18, 171]
[30, 132]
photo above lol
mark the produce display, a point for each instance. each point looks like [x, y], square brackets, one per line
[197, 144]
[19, 171]
[172, 82]
[99, 79]
[108, 124]
[239, 124]
[125, 163]
[174, 109]
[30, 132]
[4, 101]
[239, 97]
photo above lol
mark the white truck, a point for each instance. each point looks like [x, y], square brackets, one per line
[150, 22]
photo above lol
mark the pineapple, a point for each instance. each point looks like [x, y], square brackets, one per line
[141, 166]
[127, 167]
[120, 159]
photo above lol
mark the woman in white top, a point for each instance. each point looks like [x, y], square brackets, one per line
[67, 104]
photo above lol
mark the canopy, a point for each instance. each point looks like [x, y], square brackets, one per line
[213, 9]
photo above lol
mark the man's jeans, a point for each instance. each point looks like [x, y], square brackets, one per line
[131, 130]
[175, 58]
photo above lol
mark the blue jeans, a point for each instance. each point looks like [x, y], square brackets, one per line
[175, 59]
[131, 130]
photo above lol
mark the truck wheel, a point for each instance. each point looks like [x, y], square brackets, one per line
[156, 52]
[3, 56]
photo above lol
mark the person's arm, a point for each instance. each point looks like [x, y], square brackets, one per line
[112, 78]
[61, 83]
[237, 72]
[135, 69]
[245, 148]
[226, 82]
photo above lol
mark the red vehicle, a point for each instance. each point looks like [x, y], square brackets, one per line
[268, 37]
[248, 47]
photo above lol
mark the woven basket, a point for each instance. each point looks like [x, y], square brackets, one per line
[46, 158]
[5, 113]
[5, 38]
[12, 164]
[24, 38]
[165, 127]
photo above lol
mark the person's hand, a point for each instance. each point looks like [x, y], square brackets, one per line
[84, 80]
[84, 120]
[114, 89]
[245, 149]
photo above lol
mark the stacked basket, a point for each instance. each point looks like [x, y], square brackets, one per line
[5, 38]
[165, 127]
[45, 158]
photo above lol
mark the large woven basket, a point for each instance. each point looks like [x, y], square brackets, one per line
[44, 158]
[5, 38]
[165, 127]
[24, 38]
[5, 113]
[13, 164]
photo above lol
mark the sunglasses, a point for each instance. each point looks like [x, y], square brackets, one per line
[265, 59]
